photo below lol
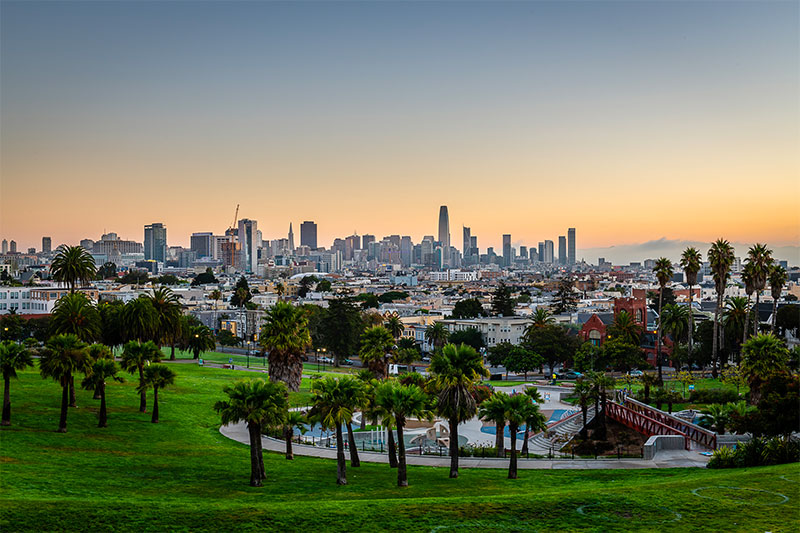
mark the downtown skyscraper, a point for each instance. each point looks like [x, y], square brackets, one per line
[155, 242]
[571, 246]
[444, 235]
[248, 239]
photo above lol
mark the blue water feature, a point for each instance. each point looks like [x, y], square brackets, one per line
[556, 416]
[491, 430]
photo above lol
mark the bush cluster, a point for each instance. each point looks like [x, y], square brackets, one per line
[757, 452]
[714, 396]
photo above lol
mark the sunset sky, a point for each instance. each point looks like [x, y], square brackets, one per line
[632, 122]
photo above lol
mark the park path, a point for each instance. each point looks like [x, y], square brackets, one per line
[664, 459]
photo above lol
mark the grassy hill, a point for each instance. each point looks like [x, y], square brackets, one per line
[183, 475]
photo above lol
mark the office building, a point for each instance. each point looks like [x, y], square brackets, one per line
[47, 245]
[444, 234]
[540, 255]
[308, 234]
[507, 259]
[13, 247]
[473, 244]
[202, 244]
[155, 242]
[111, 245]
[466, 251]
[5, 246]
[562, 250]
[548, 251]
[571, 246]
[248, 239]
[523, 252]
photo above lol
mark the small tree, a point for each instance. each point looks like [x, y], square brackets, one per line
[102, 371]
[13, 357]
[732, 375]
[156, 377]
[294, 419]
[685, 378]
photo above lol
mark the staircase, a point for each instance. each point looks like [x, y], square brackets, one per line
[558, 434]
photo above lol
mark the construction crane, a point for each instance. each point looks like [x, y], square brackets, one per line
[235, 216]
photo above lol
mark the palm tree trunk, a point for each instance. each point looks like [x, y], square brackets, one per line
[527, 435]
[715, 340]
[73, 402]
[255, 472]
[392, 448]
[288, 369]
[172, 352]
[103, 422]
[691, 326]
[355, 462]
[62, 421]
[6, 400]
[154, 418]
[288, 434]
[746, 322]
[585, 411]
[658, 335]
[512, 465]
[774, 311]
[402, 476]
[453, 448]
[756, 318]
[363, 420]
[143, 394]
[499, 437]
[261, 471]
[341, 467]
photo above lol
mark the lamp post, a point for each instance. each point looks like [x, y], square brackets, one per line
[248, 354]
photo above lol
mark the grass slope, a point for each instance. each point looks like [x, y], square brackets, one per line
[183, 475]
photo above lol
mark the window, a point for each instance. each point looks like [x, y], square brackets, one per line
[14, 295]
[594, 337]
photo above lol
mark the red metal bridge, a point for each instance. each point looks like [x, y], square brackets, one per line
[691, 432]
[642, 423]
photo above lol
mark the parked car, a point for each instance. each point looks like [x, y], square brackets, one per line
[635, 373]
[426, 359]
[326, 360]
[348, 362]
[570, 374]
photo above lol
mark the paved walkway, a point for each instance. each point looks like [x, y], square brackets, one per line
[664, 459]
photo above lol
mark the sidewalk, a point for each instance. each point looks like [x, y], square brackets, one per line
[664, 459]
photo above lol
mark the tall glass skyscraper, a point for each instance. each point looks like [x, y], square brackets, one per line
[571, 246]
[155, 242]
[444, 235]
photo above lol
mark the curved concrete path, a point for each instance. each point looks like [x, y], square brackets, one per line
[664, 459]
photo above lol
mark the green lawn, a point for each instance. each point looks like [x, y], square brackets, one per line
[182, 475]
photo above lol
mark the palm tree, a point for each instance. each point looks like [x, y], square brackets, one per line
[625, 327]
[494, 410]
[333, 407]
[648, 380]
[777, 279]
[717, 416]
[139, 320]
[585, 394]
[403, 402]
[541, 318]
[111, 327]
[762, 356]
[259, 404]
[280, 290]
[167, 307]
[13, 357]
[395, 326]
[407, 352]
[356, 391]
[676, 321]
[735, 315]
[285, 336]
[135, 356]
[760, 257]
[72, 265]
[455, 369]
[158, 377]
[376, 346]
[215, 295]
[74, 313]
[294, 419]
[63, 356]
[691, 263]
[436, 334]
[663, 271]
[198, 339]
[95, 352]
[536, 398]
[518, 410]
[535, 423]
[102, 370]
[720, 258]
[748, 278]
[602, 384]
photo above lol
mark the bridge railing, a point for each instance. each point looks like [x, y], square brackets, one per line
[699, 435]
[641, 422]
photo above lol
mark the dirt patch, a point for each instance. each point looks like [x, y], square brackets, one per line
[619, 439]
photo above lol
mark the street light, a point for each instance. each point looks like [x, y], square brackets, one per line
[248, 354]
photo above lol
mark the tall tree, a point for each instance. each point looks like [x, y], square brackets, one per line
[625, 327]
[13, 357]
[156, 377]
[468, 308]
[285, 336]
[332, 407]
[494, 410]
[518, 410]
[135, 356]
[760, 257]
[762, 356]
[342, 326]
[403, 402]
[749, 288]
[455, 369]
[691, 263]
[777, 279]
[585, 394]
[734, 318]
[167, 307]
[720, 258]
[102, 371]
[502, 302]
[241, 293]
[260, 405]
[566, 299]
[196, 338]
[62, 357]
[72, 265]
[436, 334]
[76, 314]
[376, 349]
[139, 320]
[663, 272]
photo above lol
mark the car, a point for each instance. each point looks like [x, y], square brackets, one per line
[635, 373]
[571, 374]
[348, 362]
[426, 359]
[325, 360]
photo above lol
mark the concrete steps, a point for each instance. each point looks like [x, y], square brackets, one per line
[558, 434]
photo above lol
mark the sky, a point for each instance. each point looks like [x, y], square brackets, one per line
[632, 121]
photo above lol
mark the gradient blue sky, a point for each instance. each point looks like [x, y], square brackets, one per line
[525, 117]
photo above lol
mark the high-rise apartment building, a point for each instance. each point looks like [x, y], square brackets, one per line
[47, 245]
[202, 244]
[248, 239]
[308, 234]
[507, 260]
[5, 246]
[571, 246]
[444, 234]
[155, 242]
[13, 248]
[548, 251]
[562, 250]
[473, 244]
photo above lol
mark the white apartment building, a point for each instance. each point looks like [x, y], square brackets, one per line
[494, 330]
[34, 300]
[455, 275]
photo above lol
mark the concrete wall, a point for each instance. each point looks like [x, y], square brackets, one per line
[731, 440]
[656, 443]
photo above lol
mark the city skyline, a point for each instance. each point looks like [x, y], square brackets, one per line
[523, 118]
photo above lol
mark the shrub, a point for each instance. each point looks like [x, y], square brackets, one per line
[724, 457]
[757, 452]
[714, 396]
